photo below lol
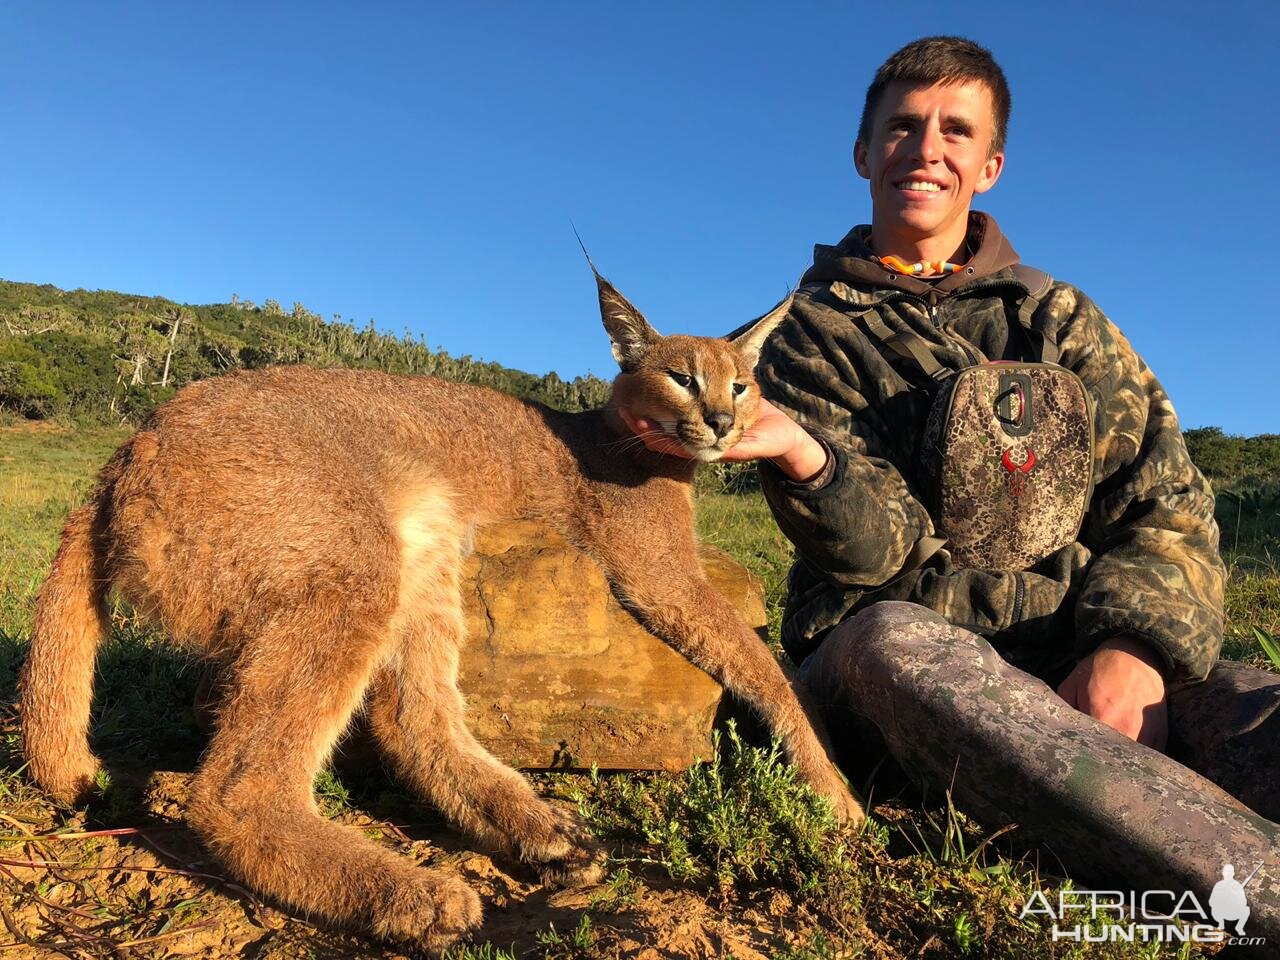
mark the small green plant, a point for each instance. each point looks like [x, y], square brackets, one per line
[963, 933]
[621, 891]
[332, 796]
[819, 947]
[580, 944]
[484, 951]
[1269, 646]
[741, 818]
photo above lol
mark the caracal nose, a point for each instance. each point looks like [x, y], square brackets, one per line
[720, 423]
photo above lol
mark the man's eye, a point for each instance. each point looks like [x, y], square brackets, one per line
[739, 389]
[683, 379]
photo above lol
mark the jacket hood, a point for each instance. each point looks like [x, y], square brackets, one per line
[852, 261]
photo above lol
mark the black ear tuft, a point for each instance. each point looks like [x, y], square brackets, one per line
[628, 330]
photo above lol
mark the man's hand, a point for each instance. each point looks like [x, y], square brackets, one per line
[1122, 685]
[774, 436]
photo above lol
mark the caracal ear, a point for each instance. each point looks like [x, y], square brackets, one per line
[750, 340]
[628, 330]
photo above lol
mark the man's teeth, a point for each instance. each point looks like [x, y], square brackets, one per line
[919, 185]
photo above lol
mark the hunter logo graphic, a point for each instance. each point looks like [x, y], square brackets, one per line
[1227, 902]
[1162, 916]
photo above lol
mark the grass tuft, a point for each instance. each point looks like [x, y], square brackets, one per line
[741, 819]
[1269, 647]
[484, 951]
[579, 944]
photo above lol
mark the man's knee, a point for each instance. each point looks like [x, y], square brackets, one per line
[874, 642]
[887, 620]
[888, 630]
[903, 647]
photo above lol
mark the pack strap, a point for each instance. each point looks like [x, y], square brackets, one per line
[906, 344]
[1037, 283]
[915, 349]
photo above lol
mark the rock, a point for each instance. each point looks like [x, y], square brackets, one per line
[557, 674]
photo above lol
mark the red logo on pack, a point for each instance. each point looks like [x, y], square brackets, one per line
[1018, 471]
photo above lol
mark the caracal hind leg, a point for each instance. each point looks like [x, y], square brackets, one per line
[291, 694]
[417, 714]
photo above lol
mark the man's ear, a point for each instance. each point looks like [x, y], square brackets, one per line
[860, 160]
[990, 173]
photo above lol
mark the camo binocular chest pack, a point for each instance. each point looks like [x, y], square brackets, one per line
[1007, 449]
[1010, 449]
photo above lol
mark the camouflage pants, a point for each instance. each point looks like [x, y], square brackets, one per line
[1117, 815]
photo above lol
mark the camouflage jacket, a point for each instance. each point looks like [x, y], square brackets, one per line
[1146, 560]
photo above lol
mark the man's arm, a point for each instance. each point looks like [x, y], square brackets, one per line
[1150, 608]
[832, 489]
[1158, 576]
[856, 519]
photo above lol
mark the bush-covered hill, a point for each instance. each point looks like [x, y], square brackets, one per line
[112, 357]
[1235, 461]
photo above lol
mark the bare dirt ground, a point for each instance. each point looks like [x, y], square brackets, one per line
[150, 892]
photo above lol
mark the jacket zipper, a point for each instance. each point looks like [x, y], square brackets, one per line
[970, 355]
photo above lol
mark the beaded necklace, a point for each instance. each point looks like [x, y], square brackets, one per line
[890, 262]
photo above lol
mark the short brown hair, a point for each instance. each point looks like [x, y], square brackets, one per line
[930, 60]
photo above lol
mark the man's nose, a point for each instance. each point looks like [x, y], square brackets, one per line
[929, 145]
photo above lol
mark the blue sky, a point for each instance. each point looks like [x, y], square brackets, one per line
[420, 164]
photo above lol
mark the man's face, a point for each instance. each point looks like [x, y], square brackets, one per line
[927, 157]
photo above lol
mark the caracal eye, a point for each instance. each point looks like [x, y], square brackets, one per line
[739, 389]
[683, 379]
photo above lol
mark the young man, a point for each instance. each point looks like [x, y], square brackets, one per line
[1124, 624]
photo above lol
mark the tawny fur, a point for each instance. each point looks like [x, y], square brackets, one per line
[305, 529]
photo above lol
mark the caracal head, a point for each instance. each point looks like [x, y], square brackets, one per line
[700, 391]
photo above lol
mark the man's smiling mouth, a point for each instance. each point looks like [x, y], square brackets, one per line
[919, 186]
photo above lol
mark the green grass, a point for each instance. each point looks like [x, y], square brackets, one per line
[741, 818]
[743, 526]
[741, 822]
[1249, 524]
[44, 474]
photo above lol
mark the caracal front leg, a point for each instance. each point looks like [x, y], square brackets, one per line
[663, 582]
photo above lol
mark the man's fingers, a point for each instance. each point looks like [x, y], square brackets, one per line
[651, 436]
[633, 424]
[748, 448]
